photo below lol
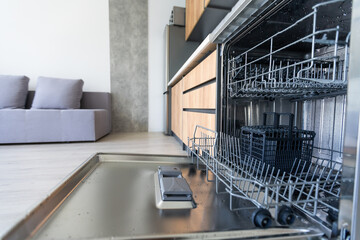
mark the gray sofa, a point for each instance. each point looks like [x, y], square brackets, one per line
[89, 123]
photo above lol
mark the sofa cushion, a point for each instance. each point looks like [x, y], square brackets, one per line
[57, 93]
[43, 125]
[13, 91]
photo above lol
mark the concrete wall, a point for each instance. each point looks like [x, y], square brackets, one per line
[129, 64]
[159, 15]
[57, 38]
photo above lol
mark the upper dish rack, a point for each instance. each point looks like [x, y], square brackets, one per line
[269, 75]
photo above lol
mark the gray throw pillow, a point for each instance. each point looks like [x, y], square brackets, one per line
[57, 93]
[13, 91]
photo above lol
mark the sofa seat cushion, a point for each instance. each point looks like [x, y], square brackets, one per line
[12, 126]
[43, 125]
[40, 125]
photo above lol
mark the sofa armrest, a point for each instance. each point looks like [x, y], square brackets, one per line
[97, 100]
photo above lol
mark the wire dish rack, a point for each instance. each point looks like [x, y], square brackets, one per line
[269, 75]
[311, 187]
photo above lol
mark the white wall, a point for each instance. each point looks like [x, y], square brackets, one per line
[159, 14]
[56, 38]
[70, 39]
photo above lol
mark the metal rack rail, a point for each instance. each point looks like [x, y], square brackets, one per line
[271, 76]
[311, 187]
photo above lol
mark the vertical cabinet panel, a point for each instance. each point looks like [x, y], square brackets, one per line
[176, 109]
[191, 119]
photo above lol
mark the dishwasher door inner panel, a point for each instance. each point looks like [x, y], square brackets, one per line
[113, 196]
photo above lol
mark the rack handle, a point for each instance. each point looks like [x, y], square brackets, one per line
[277, 120]
[290, 123]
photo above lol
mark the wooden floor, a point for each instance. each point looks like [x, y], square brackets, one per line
[28, 172]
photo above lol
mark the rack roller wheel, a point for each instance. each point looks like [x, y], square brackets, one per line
[285, 216]
[261, 218]
[335, 232]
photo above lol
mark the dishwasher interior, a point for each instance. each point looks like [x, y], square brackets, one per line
[279, 142]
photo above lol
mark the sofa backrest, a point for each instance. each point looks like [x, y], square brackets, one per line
[89, 100]
[96, 100]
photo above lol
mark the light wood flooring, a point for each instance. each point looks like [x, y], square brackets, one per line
[29, 172]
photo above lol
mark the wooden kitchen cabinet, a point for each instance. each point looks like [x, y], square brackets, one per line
[194, 10]
[193, 99]
[202, 16]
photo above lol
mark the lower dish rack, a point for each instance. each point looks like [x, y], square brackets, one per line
[312, 188]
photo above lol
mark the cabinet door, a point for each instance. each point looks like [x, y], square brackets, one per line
[209, 67]
[177, 108]
[201, 98]
[203, 72]
[191, 119]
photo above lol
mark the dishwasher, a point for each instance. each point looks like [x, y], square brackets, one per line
[287, 120]
[281, 163]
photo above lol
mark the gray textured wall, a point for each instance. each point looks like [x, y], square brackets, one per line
[129, 64]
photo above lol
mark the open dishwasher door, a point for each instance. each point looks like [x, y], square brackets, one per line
[293, 57]
[112, 196]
